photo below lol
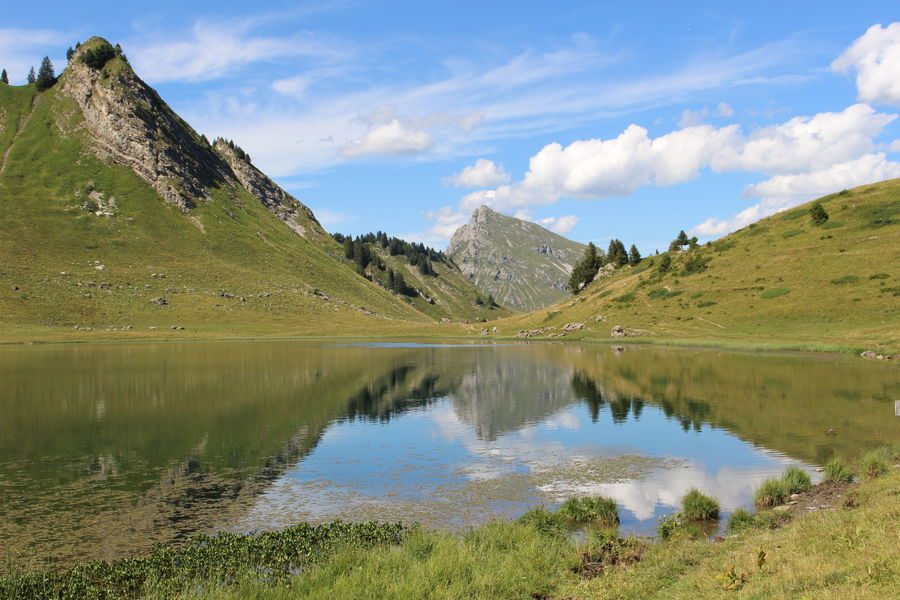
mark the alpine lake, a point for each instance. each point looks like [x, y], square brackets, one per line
[108, 449]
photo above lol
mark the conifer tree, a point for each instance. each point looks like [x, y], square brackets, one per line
[682, 239]
[4, 78]
[70, 53]
[45, 76]
[634, 255]
[616, 255]
[31, 77]
[586, 269]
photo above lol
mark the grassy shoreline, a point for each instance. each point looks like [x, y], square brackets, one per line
[439, 333]
[835, 540]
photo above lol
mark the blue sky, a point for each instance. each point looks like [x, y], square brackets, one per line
[599, 120]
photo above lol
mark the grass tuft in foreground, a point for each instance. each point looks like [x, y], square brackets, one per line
[590, 511]
[838, 471]
[696, 506]
[796, 480]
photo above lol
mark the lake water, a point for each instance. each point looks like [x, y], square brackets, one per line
[108, 449]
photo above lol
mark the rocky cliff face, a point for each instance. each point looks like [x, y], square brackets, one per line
[523, 265]
[287, 208]
[132, 126]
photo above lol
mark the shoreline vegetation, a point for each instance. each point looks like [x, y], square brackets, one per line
[433, 333]
[835, 539]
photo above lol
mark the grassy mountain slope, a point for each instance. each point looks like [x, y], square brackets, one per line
[452, 296]
[781, 281]
[523, 265]
[109, 201]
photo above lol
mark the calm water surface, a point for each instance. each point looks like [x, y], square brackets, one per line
[108, 449]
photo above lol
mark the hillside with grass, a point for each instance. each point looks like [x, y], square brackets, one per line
[792, 280]
[115, 215]
[427, 279]
[522, 265]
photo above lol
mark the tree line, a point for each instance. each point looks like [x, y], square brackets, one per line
[594, 259]
[45, 77]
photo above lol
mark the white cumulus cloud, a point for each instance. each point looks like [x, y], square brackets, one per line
[602, 168]
[875, 57]
[560, 225]
[786, 191]
[393, 137]
[484, 173]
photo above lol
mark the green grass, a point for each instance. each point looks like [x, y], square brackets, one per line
[772, 492]
[696, 506]
[772, 290]
[590, 510]
[796, 480]
[740, 520]
[838, 471]
[845, 279]
[875, 463]
[232, 268]
[848, 552]
[775, 293]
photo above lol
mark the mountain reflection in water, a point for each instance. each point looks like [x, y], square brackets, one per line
[108, 449]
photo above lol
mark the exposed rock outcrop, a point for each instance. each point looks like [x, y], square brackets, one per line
[132, 126]
[287, 208]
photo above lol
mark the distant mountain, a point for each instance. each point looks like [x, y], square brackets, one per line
[523, 265]
[115, 212]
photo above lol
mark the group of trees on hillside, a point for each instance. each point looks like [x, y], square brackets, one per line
[682, 240]
[44, 79]
[416, 254]
[594, 259]
[95, 57]
[363, 251]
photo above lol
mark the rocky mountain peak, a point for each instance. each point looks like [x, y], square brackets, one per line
[134, 127]
[131, 125]
[523, 265]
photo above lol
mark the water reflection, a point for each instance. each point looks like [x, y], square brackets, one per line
[105, 450]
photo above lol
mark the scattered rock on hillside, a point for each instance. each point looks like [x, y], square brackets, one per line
[573, 326]
[618, 332]
[159, 301]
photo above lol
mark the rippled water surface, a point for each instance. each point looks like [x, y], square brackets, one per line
[108, 449]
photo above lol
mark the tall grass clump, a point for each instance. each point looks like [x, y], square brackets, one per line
[544, 521]
[696, 506]
[838, 472]
[796, 480]
[772, 492]
[875, 463]
[595, 510]
[740, 520]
